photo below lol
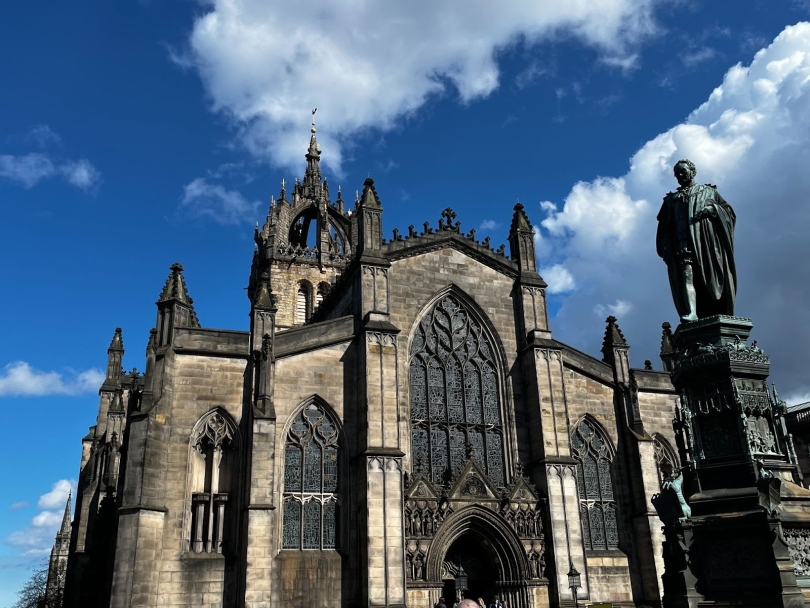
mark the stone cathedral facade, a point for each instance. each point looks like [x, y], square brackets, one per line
[398, 418]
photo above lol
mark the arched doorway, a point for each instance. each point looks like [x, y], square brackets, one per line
[473, 558]
[492, 555]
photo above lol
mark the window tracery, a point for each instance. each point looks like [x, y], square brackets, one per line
[310, 481]
[666, 462]
[597, 507]
[454, 395]
[211, 461]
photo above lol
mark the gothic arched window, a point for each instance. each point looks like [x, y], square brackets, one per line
[302, 303]
[455, 398]
[666, 462]
[311, 481]
[211, 462]
[597, 507]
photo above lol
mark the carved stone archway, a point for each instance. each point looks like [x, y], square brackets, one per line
[505, 550]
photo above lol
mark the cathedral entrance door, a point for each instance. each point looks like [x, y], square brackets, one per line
[479, 563]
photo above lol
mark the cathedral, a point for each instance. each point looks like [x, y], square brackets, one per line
[399, 424]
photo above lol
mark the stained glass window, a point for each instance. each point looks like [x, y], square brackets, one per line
[597, 507]
[311, 481]
[455, 399]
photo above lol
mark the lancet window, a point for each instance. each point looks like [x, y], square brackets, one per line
[597, 505]
[302, 303]
[211, 463]
[311, 481]
[666, 462]
[455, 397]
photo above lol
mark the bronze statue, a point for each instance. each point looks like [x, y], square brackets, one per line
[696, 240]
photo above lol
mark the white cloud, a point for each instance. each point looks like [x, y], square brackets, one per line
[37, 538]
[618, 309]
[489, 225]
[559, 279]
[81, 174]
[19, 379]
[214, 201]
[29, 169]
[55, 499]
[265, 63]
[19, 505]
[46, 519]
[697, 56]
[43, 136]
[752, 138]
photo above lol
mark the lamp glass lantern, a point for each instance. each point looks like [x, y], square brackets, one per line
[461, 579]
[574, 582]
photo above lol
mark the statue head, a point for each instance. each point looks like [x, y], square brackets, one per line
[685, 172]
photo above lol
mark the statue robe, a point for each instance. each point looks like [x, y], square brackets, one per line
[711, 245]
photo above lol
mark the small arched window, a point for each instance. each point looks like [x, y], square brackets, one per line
[666, 462]
[597, 506]
[211, 462]
[311, 481]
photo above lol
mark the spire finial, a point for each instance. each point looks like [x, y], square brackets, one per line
[64, 531]
[613, 339]
[313, 119]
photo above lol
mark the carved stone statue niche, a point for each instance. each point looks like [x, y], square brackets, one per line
[696, 240]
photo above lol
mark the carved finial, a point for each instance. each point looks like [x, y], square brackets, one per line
[446, 223]
[648, 365]
[613, 339]
[520, 221]
[666, 339]
[313, 120]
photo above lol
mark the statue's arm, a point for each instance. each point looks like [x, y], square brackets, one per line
[662, 234]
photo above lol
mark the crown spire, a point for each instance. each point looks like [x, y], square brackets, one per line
[312, 177]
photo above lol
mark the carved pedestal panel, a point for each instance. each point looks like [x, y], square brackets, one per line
[727, 546]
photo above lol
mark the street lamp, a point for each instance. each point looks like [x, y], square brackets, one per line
[461, 580]
[574, 583]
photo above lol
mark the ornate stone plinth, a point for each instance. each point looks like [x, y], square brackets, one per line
[725, 519]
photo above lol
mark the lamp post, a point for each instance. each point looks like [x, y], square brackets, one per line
[574, 583]
[461, 580]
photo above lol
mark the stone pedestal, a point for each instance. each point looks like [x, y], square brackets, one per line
[725, 540]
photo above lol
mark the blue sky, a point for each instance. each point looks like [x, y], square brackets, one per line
[137, 134]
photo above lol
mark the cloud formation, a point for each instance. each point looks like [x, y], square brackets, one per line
[30, 169]
[752, 138]
[19, 379]
[214, 201]
[368, 64]
[37, 538]
[55, 499]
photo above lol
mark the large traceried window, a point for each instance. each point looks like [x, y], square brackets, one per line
[455, 398]
[597, 506]
[311, 481]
